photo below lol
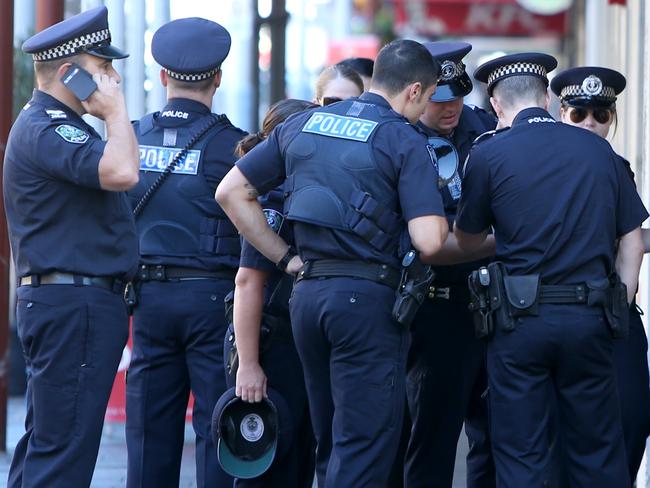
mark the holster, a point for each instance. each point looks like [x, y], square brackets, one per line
[479, 302]
[130, 297]
[611, 294]
[413, 289]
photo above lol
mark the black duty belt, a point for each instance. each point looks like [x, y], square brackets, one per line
[563, 294]
[58, 278]
[455, 293]
[180, 273]
[340, 268]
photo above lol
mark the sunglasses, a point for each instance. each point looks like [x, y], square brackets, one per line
[330, 100]
[601, 115]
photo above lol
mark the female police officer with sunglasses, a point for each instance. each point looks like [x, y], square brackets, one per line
[588, 100]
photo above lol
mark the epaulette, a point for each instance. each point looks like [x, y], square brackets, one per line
[488, 135]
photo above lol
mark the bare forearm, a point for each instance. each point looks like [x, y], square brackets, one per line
[470, 242]
[120, 163]
[238, 199]
[247, 314]
[628, 261]
[451, 253]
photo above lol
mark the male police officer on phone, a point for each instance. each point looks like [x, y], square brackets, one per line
[189, 253]
[359, 179]
[556, 221]
[446, 375]
[74, 245]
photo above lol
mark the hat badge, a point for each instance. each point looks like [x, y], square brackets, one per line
[252, 427]
[592, 85]
[447, 70]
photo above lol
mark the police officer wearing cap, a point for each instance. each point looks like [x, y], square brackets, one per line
[379, 187]
[445, 371]
[555, 220]
[74, 246]
[588, 100]
[189, 252]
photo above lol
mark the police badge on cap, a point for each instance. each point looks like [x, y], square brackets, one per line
[454, 81]
[588, 86]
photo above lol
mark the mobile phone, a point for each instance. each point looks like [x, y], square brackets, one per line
[79, 82]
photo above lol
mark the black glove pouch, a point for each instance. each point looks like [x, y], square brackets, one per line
[523, 294]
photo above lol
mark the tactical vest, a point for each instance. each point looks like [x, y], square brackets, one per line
[183, 219]
[333, 180]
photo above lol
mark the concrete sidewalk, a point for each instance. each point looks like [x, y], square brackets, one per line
[110, 471]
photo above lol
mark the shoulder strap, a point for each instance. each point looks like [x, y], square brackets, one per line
[146, 197]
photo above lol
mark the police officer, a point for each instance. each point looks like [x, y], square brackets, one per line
[261, 337]
[445, 370]
[189, 252]
[74, 247]
[588, 100]
[347, 221]
[556, 220]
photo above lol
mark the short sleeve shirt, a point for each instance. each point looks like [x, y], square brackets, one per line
[59, 217]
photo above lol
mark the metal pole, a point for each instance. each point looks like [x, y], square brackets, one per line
[134, 76]
[157, 95]
[48, 12]
[255, 67]
[6, 109]
[278, 24]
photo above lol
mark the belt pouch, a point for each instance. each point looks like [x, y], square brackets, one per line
[523, 294]
[498, 300]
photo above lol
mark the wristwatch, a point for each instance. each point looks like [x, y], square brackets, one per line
[282, 264]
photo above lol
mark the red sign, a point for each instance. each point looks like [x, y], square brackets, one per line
[475, 18]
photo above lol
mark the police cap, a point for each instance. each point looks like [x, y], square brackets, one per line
[190, 49]
[86, 32]
[250, 436]
[454, 81]
[588, 86]
[519, 64]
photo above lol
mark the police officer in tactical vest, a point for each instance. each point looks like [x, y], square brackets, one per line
[74, 245]
[360, 181]
[189, 252]
[558, 199]
[446, 376]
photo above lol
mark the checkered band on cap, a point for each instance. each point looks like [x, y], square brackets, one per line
[516, 69]
[73, 46]
[191, 77]
[572, 91]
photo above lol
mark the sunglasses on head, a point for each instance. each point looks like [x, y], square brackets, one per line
[330, 100]
[601, 115]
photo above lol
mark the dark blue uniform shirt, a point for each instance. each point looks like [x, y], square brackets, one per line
[472, 123]
[59, 217]
[399, 151]
[557, 196]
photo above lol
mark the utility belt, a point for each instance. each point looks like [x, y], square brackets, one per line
[411, 283]
[58, 278]
[159, 272]
[274, 328]
[497, 298]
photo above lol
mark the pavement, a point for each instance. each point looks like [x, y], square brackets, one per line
[110, 471]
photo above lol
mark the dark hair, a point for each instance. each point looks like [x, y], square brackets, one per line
[403, 62]
[277, 113]
[337, 71]
[45, 70]
[363, 66]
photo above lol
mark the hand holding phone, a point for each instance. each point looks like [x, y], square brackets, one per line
[79, 82]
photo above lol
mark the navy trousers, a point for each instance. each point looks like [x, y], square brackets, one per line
[178, 334]
[72, 339]
[281, 364]
[446, 382]
[631, 365]
[354, 360]
[567, 349]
